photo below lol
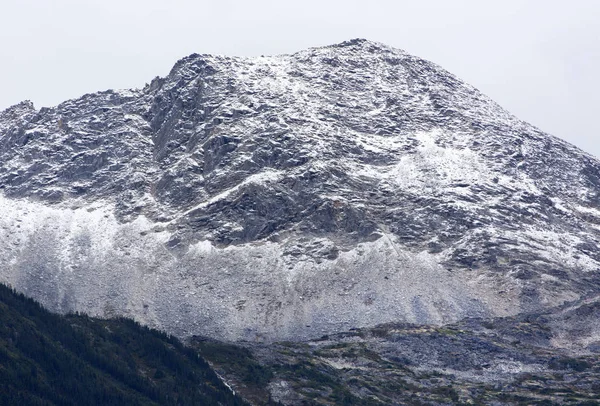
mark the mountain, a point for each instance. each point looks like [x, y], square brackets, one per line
[294, 196]
[48, 359]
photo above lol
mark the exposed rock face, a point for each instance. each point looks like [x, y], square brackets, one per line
[293, 196]
[517, 360]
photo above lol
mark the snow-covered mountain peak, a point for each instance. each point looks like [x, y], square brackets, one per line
[334, 187]
[358, 45]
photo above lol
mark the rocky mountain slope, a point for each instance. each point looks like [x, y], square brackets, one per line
[293, 196]
[545, 358]
[49, 359]
[502, 361]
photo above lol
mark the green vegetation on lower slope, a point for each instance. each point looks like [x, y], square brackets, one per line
[48, 359]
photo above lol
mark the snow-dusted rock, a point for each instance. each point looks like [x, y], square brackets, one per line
[291, 196]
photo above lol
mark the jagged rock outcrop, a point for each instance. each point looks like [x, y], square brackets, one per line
[292, 196]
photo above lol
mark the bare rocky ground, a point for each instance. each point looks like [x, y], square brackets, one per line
[537, 359]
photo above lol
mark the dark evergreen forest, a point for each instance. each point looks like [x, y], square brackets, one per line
[49, 359]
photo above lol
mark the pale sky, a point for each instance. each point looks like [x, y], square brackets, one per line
[539, 59]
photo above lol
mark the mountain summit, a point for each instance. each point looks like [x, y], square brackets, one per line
[292, 196]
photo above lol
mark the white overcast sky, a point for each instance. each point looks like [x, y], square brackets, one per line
[539, 59]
